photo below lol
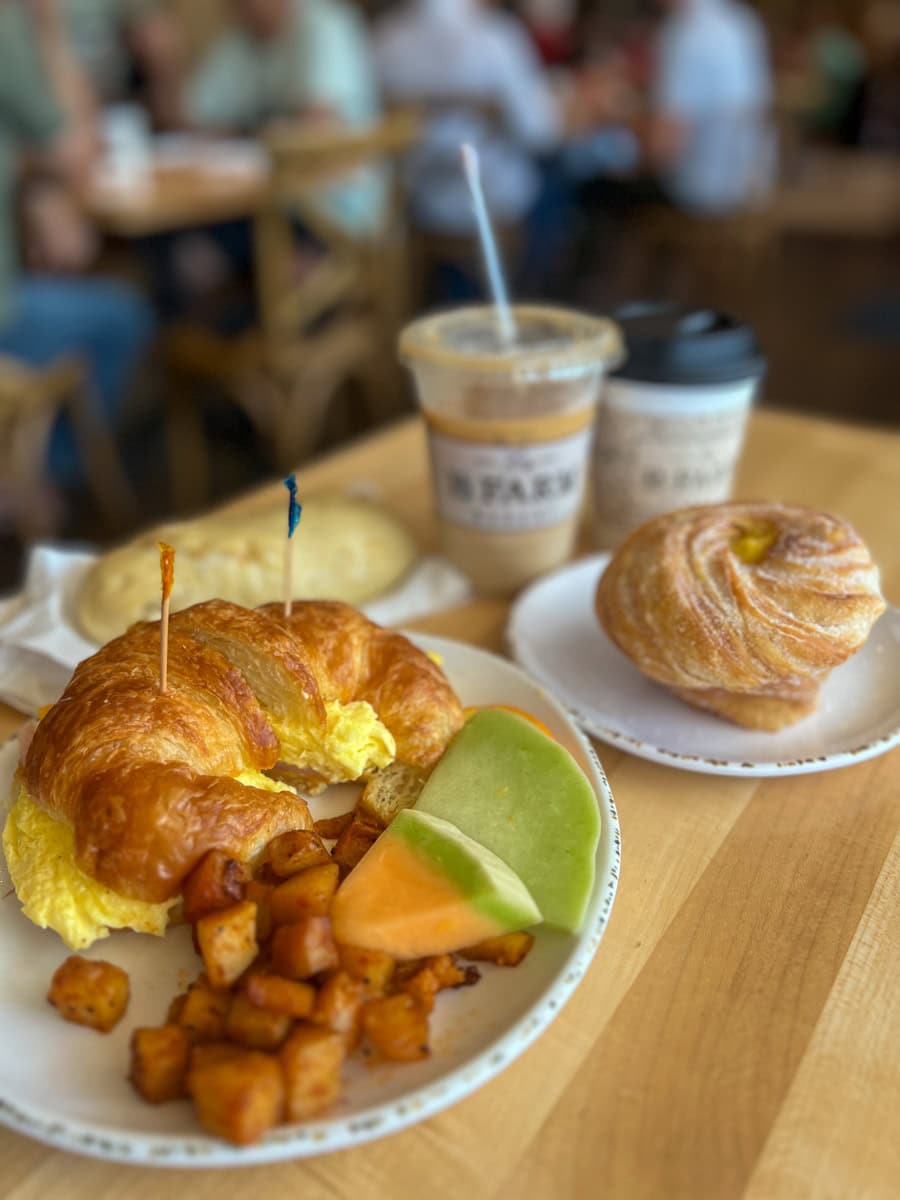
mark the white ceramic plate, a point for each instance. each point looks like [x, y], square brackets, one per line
[554, 633]
[66, 1085]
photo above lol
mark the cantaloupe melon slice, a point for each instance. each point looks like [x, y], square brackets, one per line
[426, 888]
[522, 795]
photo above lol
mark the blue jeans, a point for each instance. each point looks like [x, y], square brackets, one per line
[105, 323]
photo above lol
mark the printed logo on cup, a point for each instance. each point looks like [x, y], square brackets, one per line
[509, 488]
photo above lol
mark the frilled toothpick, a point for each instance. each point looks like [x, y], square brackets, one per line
[167, 575]
[295, 508]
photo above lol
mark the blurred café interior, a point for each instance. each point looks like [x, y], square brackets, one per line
[216, 215]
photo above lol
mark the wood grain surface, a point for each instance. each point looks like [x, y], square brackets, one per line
[737, 1033]
[176, 198]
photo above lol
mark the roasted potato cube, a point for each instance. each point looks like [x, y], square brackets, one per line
[90, 993]
[304, 948]
[432, 977]
[353, 843]
[159, 1060]
[217, 881]
[176, 1008]
[255, 1028]
[203, 1011]
[404, 971]
[296, 851]
[373, 968]
[261, 895]
[205, 1053]
[339, 1005]
[389, 791]
[308, 894]
[228, 942]
[397, 1027]
[278, 995]
[331, 828]
[311, 1060]
[237, 1096]
[506, 950]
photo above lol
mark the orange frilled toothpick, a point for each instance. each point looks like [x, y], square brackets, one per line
[167, 574]
[294, 511]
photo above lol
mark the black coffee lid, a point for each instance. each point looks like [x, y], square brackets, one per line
[683, 346]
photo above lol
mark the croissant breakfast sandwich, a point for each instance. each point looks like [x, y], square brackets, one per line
[123, 789]
[741, 609]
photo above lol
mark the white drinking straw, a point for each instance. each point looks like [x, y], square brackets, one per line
[505, 319]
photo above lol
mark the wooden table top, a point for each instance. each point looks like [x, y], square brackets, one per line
[174, 198]
[736, 1035]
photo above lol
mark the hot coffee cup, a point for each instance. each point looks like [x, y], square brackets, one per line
[671, 420]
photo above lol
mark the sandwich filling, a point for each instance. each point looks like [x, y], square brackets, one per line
[351, 743]
[53, 890]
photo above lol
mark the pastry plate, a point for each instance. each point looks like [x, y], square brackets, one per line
[554, 633]
[66, 1085]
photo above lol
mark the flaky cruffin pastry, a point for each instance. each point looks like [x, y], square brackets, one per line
[741, 609]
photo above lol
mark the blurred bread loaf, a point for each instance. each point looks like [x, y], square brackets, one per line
[347, 549]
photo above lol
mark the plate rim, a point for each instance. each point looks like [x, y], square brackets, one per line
[663, 755]
[199, 1150]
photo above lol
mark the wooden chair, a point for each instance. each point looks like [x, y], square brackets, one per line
[687, 256]
[336, 322]
[31, 400]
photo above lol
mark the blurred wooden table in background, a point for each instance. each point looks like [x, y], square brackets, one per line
[174, 197]
[736, 1035]
[839, 193]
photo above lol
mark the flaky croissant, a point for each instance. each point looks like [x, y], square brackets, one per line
[741, 609]
[147, 780]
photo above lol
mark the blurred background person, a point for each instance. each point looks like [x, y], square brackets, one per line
[45, 153]
[477, 77]
[129, 50]
[611, 82]
[880, 116]
[838, 65]
[276, 63]
[711, 136]
[280, 60]
[553, 26]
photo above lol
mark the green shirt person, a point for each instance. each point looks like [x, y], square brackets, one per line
[285, 58]
[49, 316]
[98, 31]
[840, 63]
[110, 38]
[29, 116]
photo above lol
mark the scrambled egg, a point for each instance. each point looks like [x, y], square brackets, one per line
[53, 890]
[56, 894]
[353, 742]
[256, 779]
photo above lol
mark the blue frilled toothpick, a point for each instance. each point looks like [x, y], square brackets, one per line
[295, 508]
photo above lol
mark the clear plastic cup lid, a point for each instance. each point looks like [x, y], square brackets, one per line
[549, 341]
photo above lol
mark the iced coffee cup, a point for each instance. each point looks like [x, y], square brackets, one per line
[671, 421]
[510, 430]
